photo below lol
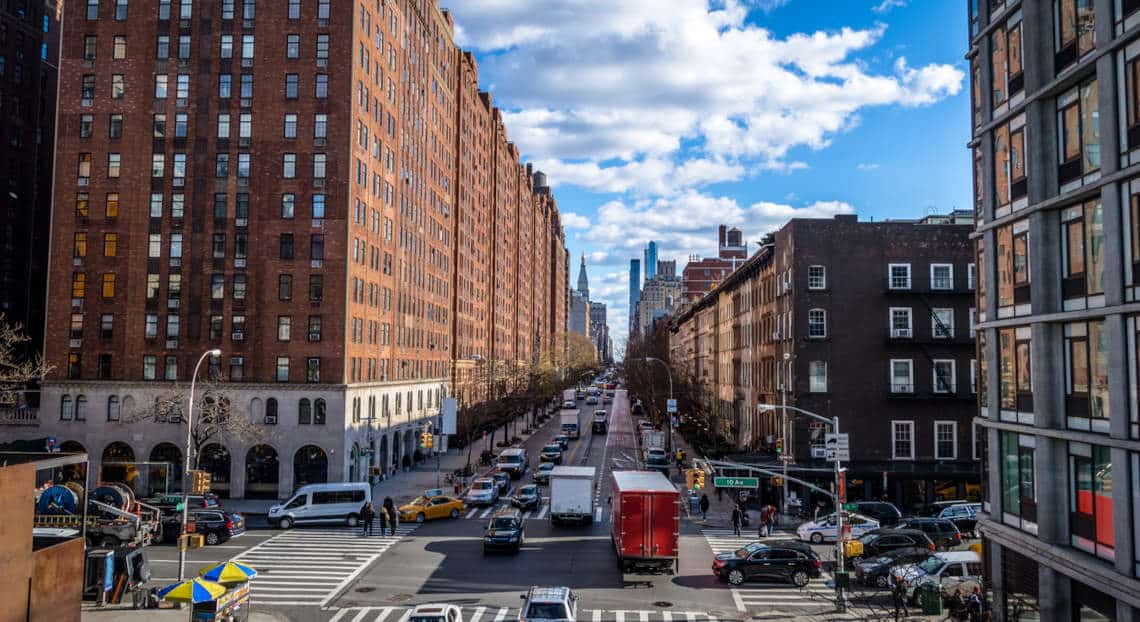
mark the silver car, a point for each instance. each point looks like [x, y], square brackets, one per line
[483, 491]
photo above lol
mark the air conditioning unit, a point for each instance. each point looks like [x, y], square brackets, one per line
[900, 333]
[238, 335]
[314, 336]
[819, 452]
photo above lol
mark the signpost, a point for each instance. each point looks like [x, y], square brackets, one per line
[671, 405]
[838, 447]
[736, 482]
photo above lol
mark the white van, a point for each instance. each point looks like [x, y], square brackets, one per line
[512, 461]
[339, 502]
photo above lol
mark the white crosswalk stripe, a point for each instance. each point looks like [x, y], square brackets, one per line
[310, 566]
[724, 541]
[485, 512]
[504, 614]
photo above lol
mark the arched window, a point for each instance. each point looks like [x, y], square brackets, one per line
[319, 414]
[113, 408]
[271, 411]
[66, 408]
[304, 412]
[80, 402]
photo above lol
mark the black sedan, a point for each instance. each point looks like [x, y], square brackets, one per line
[504, 532]
[215, 526]
[775, 561]
[526, 498]
[881, 541]
[876, 571]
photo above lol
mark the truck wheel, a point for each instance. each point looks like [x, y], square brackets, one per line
[800, 578]
[735, 577]
[352, 520]
[817, 538]
[285, 522]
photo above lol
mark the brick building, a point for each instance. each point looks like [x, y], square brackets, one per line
[700, 276]
[323, 195]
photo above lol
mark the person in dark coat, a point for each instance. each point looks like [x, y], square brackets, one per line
[736, 519]
[704, 505]
[393, 516]
[367, 514]
[899, 594]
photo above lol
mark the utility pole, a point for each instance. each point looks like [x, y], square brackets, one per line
[840, 595]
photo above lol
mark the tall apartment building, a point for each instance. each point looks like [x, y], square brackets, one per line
[323, 195]
[29, 55]
[1056, 149]
[876, 330]
[650, 260]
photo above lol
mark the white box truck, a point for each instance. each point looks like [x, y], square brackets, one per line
[569, 400]
[570, 426]
[572, 494]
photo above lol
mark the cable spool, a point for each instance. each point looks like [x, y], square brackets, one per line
[57, 500]
[113, 495]
[75, 487]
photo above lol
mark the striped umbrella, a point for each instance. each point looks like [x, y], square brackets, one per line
[192, 591]
[228, 572]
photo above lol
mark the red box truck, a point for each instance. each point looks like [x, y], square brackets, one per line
[646, 521]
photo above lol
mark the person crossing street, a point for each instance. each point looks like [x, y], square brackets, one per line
[736, 520]
[367, 514]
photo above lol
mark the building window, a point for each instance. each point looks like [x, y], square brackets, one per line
[1013, 278]
[170, 368]
[942, 323]
[286, 246]
[313, 370]
[1016, 387]
[1086, 376]
[288, 205]
[319, 160]
[1010, 183]
[983, 369]
[941, 276]
[902, 440]
[1078, 130]
[898, 275]
[150, 367]
[314, 328]
[1018, 480]
[817, 324]
[321, 86]
[817, 376]
[237, 368]
[282, 369]
[1090, 499]
[304, 412]
[320, 126]
[294, 9]
[289, 166]
[290, 126]
[271, 411]
[901, 323]
[945, 440]
[110, 244]
[1082, 252]
[817, 277]
[1006, 61]
[316, 287]
[1074, 31]
[114, 408]
[108, 286]
[902, 376]
[292, 46]
[284, 327]
[945, 375]
[285, 287]
[150, 328]
[974, 376]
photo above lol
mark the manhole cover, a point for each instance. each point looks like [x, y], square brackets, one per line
[662, 603]
[364, 590]
[400, 598]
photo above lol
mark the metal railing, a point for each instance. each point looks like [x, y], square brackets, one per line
[19, 416]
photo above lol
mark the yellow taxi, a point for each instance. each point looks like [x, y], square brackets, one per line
[429, 508]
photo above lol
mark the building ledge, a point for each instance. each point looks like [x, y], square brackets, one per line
[1069, 562]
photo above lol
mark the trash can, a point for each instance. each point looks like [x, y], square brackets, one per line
[930, 599]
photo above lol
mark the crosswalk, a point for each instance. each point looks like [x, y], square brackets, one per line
[485, 512]
[310, 566]
[501, 614]
[778, 600]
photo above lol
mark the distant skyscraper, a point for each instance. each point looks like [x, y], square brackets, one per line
[667, 267]
[634, 290]
[651, 260]
[583, 282]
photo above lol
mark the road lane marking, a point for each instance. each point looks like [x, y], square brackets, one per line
[542, 513]
[644, 615]
[501, 615]
[597, 615]
[384, 613]
[666, 616]
[472, 512]
[598, 515]
[739, 601]
[340, 614]
[475, 617]
[360, 616]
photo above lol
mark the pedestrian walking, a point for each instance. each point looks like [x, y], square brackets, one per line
[736, 519]
[977, 605]
[899, 593]
[763, 530]
[772, 516]
[957, 606]
[393, 516]
[367, 514]
[704, 505]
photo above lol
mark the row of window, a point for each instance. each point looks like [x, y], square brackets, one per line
[164, 12]
[182, 90]
[945, 440]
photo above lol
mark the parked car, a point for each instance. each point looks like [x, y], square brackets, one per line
[551, 453]
[483, 491]
[549, 604]
[826, 528]
[877, 542]
[430, 508]
[941, 531]
[542, 473]
[963, 515]
[950, 571]
[215, 526]
[502, 481]
[527, 497]
[504, 532]
[436, 613]
[886, 513]
[875, 571]
[784, 560]
[170, 504]
[934, 509]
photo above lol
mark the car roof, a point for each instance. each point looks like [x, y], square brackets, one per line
[958, 556]
[506, 513]
[548, 594]
[902, 530]
[432, 609]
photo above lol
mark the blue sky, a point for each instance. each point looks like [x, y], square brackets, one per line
[660, 119]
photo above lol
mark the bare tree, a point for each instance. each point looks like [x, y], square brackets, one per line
[18, 370]
[215, 416]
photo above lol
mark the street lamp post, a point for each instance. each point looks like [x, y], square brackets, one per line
[840, 597]
[186, 468]
[668, 415]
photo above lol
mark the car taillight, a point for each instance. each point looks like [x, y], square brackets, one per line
[229, 522]
[817, 563]
[931, 546]
[958, 536]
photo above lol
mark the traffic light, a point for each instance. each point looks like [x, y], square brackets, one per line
[425, 440]
[698, 479]
[779, 445]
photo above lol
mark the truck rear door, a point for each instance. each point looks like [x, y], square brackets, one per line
[635, 515]
[664, 524]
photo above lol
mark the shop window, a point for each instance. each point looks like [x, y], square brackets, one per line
[1022, 587]
[1086, 376]
[1090, 499]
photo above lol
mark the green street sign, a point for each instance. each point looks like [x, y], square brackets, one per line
[736, 482]
[851, 507]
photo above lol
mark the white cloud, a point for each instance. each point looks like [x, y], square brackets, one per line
[570, 220]
[887, 5]
[867, 166]
[627, 97]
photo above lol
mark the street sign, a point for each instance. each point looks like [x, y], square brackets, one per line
[851, 507]
[838, 445]
[671, 406]
[736, 482]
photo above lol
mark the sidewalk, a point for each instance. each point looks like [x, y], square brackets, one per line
[406, 484]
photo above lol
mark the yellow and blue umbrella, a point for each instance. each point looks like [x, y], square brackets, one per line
[228, 572]
[192, 591]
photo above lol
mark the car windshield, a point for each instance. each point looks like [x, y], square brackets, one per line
[747, 551]
[528, 490]
[510, 459]
[546, 467]
[483, 485]
[552, 448]
[503, 523]
[425, 619]
[419, 501]
[931, 565]
[546, 611]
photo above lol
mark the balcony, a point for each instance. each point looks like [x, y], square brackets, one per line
[20, 417]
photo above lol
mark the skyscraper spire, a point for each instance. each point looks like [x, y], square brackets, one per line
[583, 282]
